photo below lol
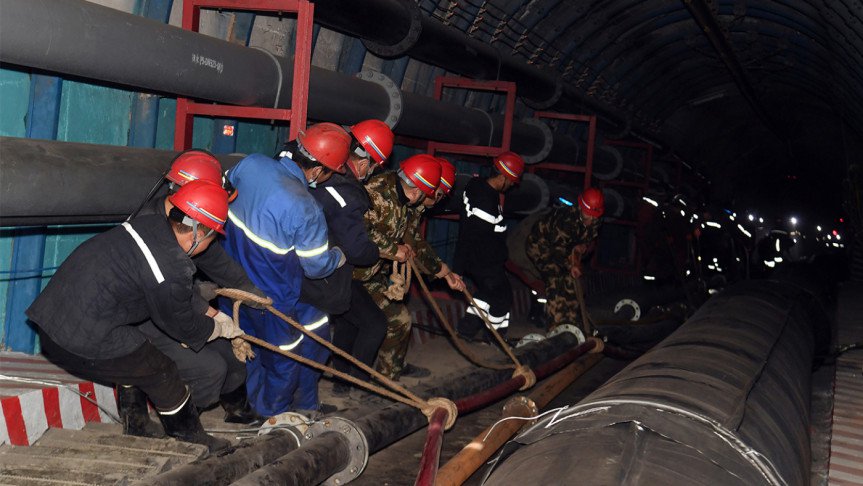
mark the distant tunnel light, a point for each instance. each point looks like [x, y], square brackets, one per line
[650, 201]
[649, 277]
[565, 201]
[751, 217]
[541, 300]
[838, 236]
[777, 246]
[743, 230]
[818, 228]
[711, 267]
[829, 236]
[714, 224]
[836, 244]
[688, 273]
[683, 213]
[760, 220]
[770, 263]
[793, 220]
[778, 259]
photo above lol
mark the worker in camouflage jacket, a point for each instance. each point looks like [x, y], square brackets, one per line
[393, 194]
[558, 240]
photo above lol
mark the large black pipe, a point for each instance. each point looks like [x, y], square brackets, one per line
[88, 40]
[47, 182]
[724, 400]
[409, 32]
[383, 426]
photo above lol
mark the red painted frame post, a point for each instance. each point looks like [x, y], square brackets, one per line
[297, 115]
[591, 145]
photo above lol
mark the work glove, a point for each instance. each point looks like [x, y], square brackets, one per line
[242, 349]
[206, 289]
[224, 327]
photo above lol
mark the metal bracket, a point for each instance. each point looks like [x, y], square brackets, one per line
[394, 95]
[357, 445]
[548, 141]
[399, 48]
[636, 309]
[533, 337]
[575, 331]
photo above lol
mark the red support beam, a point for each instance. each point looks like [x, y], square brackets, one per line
[297, 115]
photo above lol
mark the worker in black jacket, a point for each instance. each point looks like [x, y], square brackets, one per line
[89, 313]
[217, 371]
[481, 251]
[361, 329]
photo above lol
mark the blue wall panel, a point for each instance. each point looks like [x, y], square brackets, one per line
[14, 99]
[94, 114]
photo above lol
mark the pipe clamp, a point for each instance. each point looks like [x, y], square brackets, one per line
[548, 141]
[358, 447]
[394, 95]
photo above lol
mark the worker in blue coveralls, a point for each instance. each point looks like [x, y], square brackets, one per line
[278, 233]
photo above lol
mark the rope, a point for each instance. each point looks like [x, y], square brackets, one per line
[403, 395]
[588, 322]
[459, 344]
[399, 282]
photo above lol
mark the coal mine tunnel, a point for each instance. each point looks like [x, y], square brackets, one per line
[472, 242]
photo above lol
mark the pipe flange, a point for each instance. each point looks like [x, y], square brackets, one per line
[394, 95]
[550, 101]
[548, 141]
[618, 164]
[357, 445]
[520, 402]
[636, 309]
[401, 47]
[614, 200]
[574, 330]
[533, 337]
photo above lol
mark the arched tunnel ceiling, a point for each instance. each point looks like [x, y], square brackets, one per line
[651, 60]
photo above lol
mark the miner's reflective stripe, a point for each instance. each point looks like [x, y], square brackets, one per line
[496, 322]
[338, 197]
[317, 324]
[179, 407]
[255, 238]
[148, 255]
[288, 347]
[483, 215]
[313, 252]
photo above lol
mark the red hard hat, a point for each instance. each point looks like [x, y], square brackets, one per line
[423, 171]
[327, 143]
[194, 165]
[447, 175]
[510, 164]
[204, 202]
[591, 202]
[376, 139]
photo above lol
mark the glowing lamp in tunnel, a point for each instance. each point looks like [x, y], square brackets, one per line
[751, 217]
[683, 213]
[818, 228]
[650, 201]
[565, 201]
[838, 236]
[743, 230]
[777, 246]
[760, 220]
[835, 233]
[649, 277]
[770, 263]
[793, 221]
[713, 224]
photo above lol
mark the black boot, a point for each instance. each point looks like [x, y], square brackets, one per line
[132, 407]
[185, 425]
[238, 410]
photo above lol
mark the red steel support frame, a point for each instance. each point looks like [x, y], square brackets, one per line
[587, 169]
[642, 187]
[296, 116]
[507, 87]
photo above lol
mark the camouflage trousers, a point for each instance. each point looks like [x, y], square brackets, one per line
[391, 355]
[562, 305]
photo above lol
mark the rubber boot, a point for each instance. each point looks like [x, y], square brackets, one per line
[238, 410]
[132, 407]
[185, 425]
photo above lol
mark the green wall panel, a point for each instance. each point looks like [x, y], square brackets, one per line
[94, 114]
[14, 99]
[260, 138]
[5, 263]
